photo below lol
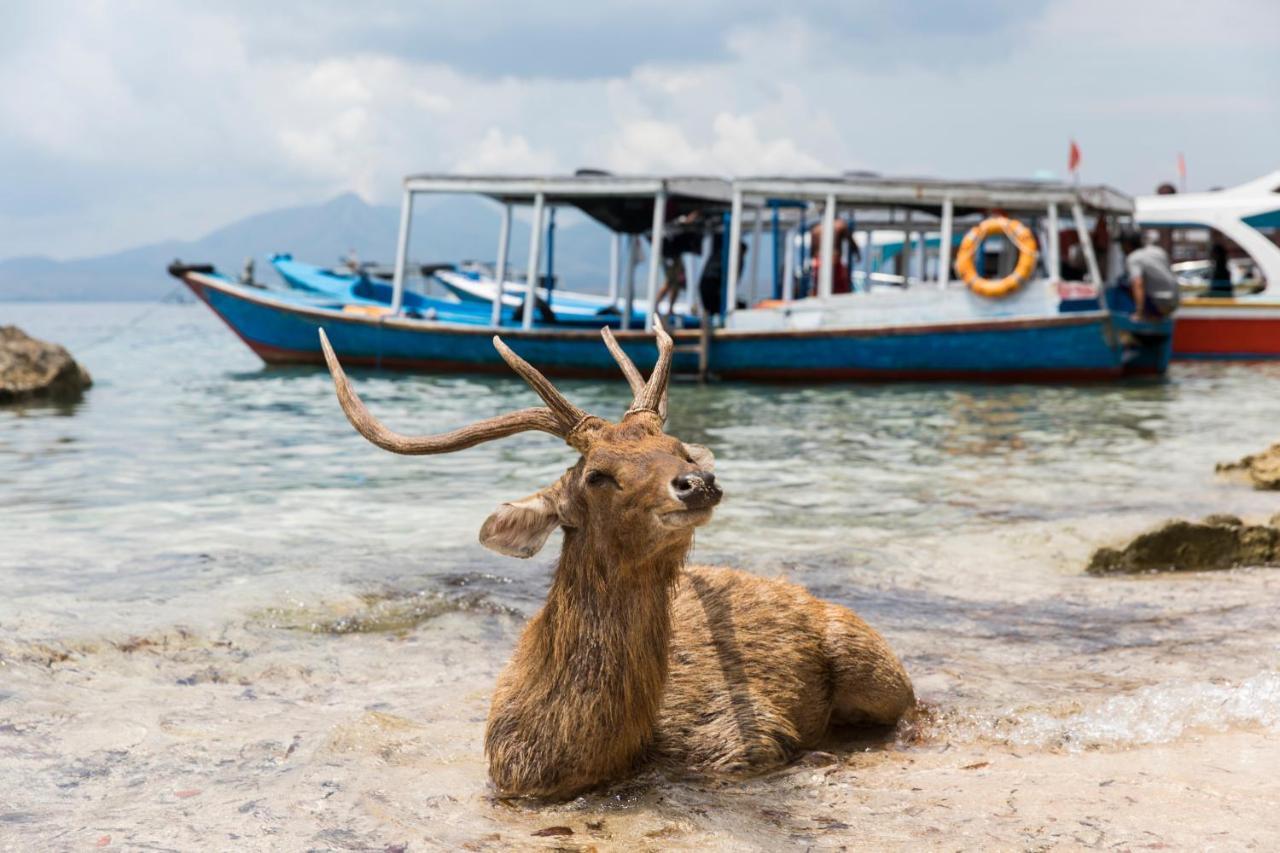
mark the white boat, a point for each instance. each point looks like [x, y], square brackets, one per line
[1245, 324]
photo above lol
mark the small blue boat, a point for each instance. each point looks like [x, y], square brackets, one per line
[472, 292]
[931, 329]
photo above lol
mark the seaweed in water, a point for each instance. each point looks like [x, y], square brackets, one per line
[381, 612]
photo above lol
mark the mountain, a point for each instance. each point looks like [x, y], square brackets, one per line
[444, 229]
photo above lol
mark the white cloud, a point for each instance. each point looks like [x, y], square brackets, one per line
[127, 124]
[498, 153]
[735, 148]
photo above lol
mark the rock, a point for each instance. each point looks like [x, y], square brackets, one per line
[1261, 469]
[1218, 542]
[33, 369]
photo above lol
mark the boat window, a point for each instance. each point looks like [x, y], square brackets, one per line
[1206, 259]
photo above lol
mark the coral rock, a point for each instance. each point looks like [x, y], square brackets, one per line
[1217, 542]
[34, 369]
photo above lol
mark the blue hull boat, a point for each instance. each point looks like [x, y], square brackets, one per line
[471, 286]
[564, 308]
[282, 328]
[1009, 309]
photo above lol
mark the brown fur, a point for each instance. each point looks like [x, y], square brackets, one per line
[634, 656]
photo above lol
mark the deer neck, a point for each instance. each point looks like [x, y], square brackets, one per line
[607, 623]
[579, 702]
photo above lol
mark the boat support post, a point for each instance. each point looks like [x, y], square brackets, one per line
[1091, 260]
[1054, 260]
[655, 254]
[789, 272]
[630, 306]
[535, 260]
[615, 258]
[551, 252]
[735, 252]
[1086, 243]
[944, 242]
[402, 252]
[757, 227]
[825, 259]
[500, 268]
[904, 256]
[778, 261]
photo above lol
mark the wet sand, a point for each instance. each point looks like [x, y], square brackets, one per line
[267, 736]
[247, 752]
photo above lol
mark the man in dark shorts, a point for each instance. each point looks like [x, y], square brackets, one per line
[685, 238]
[1148, 278]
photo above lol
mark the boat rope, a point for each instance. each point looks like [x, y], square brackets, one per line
[173, 297]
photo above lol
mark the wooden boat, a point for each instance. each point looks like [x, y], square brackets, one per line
[1244, 323]
[929, 330]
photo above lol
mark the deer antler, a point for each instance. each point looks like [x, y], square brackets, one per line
[650, 396]
[563, 419]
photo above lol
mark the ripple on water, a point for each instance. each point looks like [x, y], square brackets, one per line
[193, 486]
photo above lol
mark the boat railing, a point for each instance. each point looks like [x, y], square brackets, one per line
[927, 206]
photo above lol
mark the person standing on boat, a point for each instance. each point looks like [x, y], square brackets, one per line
[1220, 274]
[684, 240]
[843, 246]
[1148, 278]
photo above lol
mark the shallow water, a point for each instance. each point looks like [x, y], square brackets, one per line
[202, 560]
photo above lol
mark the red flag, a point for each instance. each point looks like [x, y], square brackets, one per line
[1182, 166]
[1073, 157]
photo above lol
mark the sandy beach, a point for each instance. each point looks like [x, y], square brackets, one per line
[227, 741]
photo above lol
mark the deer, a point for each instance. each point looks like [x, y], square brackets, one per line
[636, 658]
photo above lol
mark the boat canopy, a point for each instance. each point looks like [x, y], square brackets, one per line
[932, 194]
[943, 199]
[628, 205]
[1237, 212]
[622, 203]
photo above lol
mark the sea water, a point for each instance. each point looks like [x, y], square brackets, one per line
[227, 620]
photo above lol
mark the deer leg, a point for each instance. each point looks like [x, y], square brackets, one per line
[870, 685]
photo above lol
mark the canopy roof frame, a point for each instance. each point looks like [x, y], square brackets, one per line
[925, 193]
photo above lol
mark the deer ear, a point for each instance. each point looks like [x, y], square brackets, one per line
[701, 456]
[520, 528]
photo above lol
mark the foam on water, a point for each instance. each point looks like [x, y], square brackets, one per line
[1161, 713]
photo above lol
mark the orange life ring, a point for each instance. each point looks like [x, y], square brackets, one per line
[1018, 234]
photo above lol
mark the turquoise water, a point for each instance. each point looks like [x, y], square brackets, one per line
[192, 472]
[195, 490]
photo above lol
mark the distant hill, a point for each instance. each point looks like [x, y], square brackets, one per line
[445, 229]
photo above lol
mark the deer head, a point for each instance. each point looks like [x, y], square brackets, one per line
[634, 492]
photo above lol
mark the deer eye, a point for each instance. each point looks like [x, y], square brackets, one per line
[600, 478]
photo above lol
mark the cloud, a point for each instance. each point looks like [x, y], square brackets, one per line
[500, 154]
[735, 148]
[130, 122]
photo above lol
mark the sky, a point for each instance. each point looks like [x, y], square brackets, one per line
[131, 121]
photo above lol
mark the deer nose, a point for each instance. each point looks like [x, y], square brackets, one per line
[697, 489]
